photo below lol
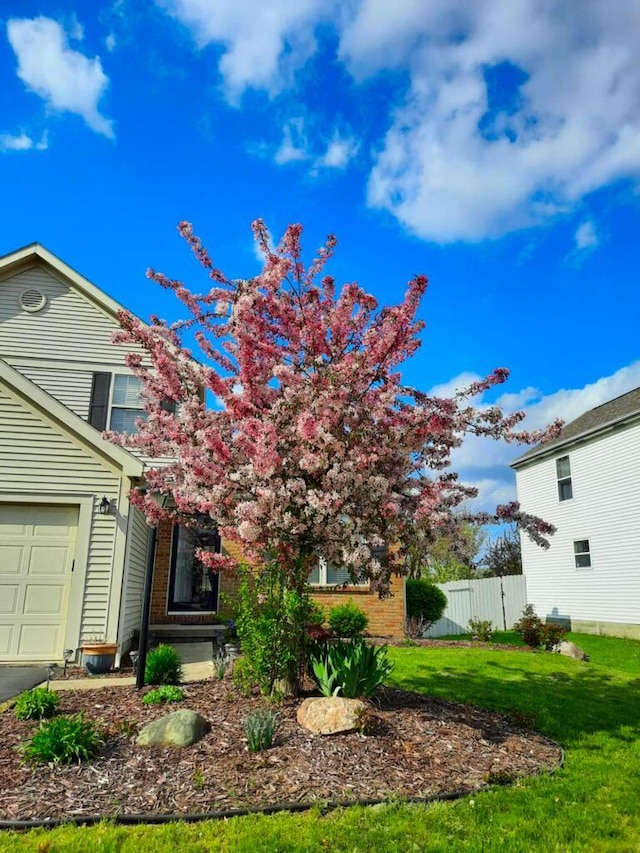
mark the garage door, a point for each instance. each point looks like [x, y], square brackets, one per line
[37, 548]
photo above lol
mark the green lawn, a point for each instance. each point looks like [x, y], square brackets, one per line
[591, 804]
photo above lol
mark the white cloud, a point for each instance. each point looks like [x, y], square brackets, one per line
[264, 43]
[456, 164]
[65, 79]
[296, 148]
[294, 145]
[110, 42]
[340, 151]
[485, 463]
[586, 236]
[22, 142]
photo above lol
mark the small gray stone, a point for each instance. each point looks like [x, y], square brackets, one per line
[330, 715]
[181, 728]
[570, 650]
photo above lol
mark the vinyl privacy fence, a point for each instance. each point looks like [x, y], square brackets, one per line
[500, 600]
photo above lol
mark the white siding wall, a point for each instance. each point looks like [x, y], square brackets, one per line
[36, 458]
[138, 541]
[605, 509]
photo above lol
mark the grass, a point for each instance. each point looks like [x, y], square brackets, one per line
[588, 805]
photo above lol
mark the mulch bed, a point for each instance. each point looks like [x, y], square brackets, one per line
[414, 746]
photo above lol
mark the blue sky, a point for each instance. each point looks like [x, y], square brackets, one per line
[493, 146]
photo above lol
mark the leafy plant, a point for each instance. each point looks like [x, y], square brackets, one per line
[536, 633]
[425, 600]
[270, 620]
[36, 704]
[348, 620]
[63, 740]
[164, 666]
[351, 669]
[260, 728]
[220, 661]
[481, 629]
[163, 695]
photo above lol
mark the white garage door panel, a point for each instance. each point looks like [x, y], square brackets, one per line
[37, 548]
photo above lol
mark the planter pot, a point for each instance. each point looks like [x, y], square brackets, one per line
[231, 650]
[99, 658]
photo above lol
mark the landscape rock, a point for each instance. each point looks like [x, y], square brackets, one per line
[570, 650]
[181, 728]
[330, 715]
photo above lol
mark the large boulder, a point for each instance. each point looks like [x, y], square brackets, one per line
[330, 715]
[181, 728]
[570, 650]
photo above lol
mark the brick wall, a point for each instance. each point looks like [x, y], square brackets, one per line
[386, 616]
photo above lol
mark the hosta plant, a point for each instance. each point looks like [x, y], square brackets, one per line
[163, 695]
[63, 740]
[36, 704]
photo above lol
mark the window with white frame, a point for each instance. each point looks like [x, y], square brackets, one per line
[563, 471]
[582, 554]
[324, 574]
[126, 404]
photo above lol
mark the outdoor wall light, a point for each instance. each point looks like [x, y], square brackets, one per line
[105, 506]
[67, 654]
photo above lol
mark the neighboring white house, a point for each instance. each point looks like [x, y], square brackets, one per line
[587, 484]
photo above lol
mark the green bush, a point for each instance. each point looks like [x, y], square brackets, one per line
[481, 629]
[260, 728]
[270, 620]
[163, 695]
[536, 633]
[425, 601]
[351, 669]
[348, 620]
[63, 740]
[36, 704]
[163, 666]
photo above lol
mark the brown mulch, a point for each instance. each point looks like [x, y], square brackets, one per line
[413, 746]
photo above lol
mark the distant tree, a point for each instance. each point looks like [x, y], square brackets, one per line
[503, 556]
[446, 554]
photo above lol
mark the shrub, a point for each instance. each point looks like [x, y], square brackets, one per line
[260, 728]
[481, 629]
[36, 704]
[163, 666]
[536, 633]
[348, 620]
[351, 669]
[415, 627]
[163, 695]
[63, 740]
[270, 619]
[425, 601]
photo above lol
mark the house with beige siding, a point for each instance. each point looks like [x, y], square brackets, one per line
[587, 484]
[73, 551]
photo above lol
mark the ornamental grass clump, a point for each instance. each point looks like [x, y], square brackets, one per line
[351, 669]
[164, 666]
[63, 740]
[36, 704]
[260, 728]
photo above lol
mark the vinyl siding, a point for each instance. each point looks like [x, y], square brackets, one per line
[36, 458]
[138, 541]
[605, 509]
[68, 328]
[72, 388]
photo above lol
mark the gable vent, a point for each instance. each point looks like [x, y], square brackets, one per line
[32, 300]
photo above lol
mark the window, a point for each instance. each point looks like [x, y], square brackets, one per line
[126, 405]
[193, 588]
[582, 554]
[325, 574]
[563, 470]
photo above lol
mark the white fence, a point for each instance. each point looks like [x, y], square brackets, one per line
[500, 600]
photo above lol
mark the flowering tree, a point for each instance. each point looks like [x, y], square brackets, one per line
[311, 443]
